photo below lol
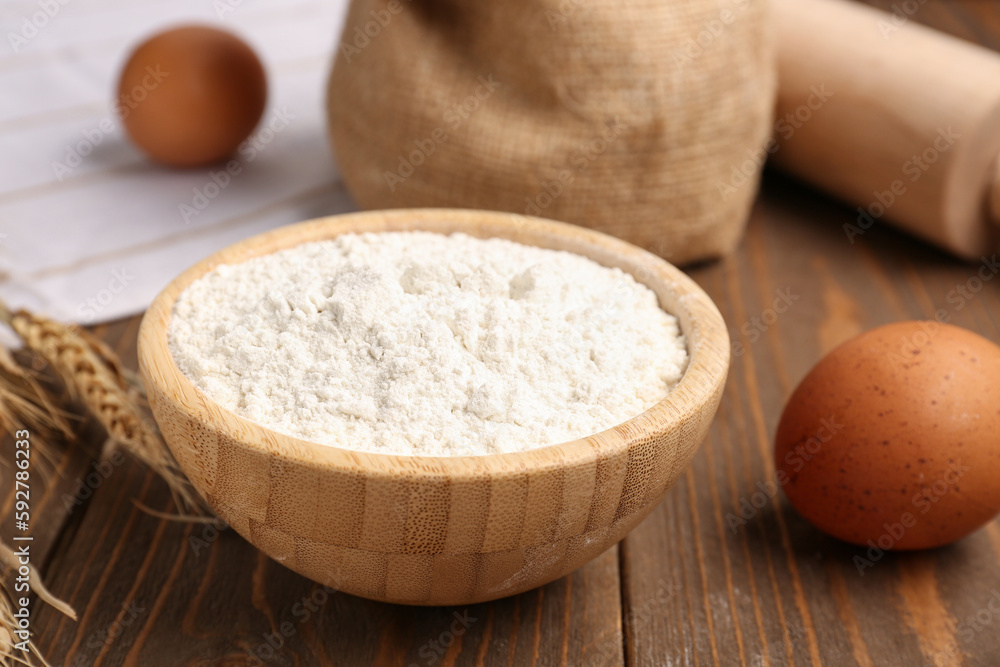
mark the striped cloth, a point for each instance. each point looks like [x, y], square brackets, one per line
[89, 229]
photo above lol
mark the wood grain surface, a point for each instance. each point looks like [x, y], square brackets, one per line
[684, 588]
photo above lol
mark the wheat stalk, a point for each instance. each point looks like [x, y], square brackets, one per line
[25, 404]
[9, 559]
[34, 409]
[94, 375]
[9, 653]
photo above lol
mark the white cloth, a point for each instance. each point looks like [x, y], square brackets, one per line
[102, 241]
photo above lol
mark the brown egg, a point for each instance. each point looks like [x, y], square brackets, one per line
[189, 96]
[892, 440]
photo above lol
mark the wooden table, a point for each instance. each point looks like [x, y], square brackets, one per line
[685, 588]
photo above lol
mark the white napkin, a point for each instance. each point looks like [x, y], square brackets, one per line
[89, 229]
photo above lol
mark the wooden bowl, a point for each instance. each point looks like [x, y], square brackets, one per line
[439, 530]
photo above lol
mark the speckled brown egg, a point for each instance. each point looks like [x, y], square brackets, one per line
[893, 439]
[189, 96]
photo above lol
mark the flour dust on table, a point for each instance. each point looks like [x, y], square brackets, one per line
[418, 343]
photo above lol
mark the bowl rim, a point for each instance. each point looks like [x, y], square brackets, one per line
[706, 337]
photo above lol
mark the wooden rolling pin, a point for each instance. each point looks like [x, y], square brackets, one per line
[900, 120]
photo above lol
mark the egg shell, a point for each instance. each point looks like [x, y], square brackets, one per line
[893, 438]
[189, 96]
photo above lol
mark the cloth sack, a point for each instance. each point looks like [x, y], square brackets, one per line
[644, 119]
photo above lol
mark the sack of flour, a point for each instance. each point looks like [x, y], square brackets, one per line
[645, 119]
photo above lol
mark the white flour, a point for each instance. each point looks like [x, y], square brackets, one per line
[420, 343]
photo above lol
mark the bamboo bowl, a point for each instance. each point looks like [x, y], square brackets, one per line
[439, 530]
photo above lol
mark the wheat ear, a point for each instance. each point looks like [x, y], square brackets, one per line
[93, 374]
[25, 404]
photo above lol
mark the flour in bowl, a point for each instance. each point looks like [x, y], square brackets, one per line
[419, 343]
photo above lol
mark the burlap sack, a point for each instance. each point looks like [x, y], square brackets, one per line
[643, 119]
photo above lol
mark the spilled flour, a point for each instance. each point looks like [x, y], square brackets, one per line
[425, 344]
